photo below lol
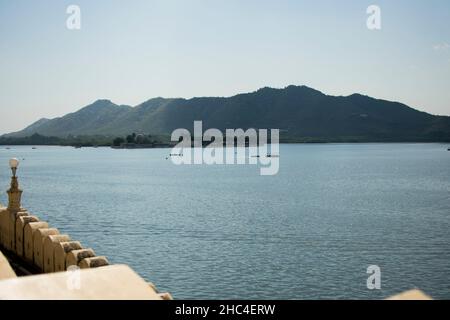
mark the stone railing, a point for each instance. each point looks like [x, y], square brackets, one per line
[41, 248]
[32, 247]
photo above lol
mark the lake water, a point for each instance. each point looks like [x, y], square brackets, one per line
[225, 232]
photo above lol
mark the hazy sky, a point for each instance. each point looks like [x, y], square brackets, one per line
[130, 51]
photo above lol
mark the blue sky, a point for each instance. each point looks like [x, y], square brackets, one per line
[130, 51]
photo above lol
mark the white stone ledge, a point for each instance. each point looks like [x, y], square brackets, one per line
[116, 282]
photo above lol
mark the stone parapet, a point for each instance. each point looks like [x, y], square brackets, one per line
[59, 267]
[114, 282]
[41, 249]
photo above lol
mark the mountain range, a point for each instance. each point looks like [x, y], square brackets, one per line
[301, 113]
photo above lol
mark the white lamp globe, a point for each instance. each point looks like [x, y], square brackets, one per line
[13, 163]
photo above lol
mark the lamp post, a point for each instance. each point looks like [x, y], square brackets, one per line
[14, 193]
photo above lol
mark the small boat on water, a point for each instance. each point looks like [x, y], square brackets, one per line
[267, 155]
[34, 148]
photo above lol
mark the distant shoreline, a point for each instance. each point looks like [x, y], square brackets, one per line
[140, 141]
[8, 146]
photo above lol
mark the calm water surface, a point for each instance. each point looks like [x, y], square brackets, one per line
[225, 232]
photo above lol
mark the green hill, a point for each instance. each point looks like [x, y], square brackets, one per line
[301, 113]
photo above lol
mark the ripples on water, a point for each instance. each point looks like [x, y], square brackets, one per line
[226, 232]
